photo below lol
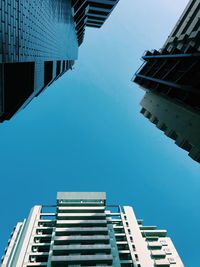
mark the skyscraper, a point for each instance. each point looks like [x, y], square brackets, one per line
[82, 230]
[39, 42]
[171, 78]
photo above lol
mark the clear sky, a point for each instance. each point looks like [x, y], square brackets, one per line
[85, 133]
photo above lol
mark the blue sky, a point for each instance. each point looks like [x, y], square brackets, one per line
[85, 133]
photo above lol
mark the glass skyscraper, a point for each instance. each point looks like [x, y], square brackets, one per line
[83, 230]
[39, 42]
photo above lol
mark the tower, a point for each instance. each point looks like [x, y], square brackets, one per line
[170, 77]
[82, 230]
[39, 42]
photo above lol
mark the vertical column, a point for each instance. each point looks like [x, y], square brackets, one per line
[137, 239]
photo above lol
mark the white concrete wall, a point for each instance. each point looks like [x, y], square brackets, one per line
[139, 242]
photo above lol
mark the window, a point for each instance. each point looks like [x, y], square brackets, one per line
[58, 67]
[18, 88]
[63, 66]
[163, 242]
[167, 251]
[48, 72]
[171, 260]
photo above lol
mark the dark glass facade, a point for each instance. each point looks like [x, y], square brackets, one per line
[39, 42]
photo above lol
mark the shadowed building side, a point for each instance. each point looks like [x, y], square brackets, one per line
[184, 128]
[39, 43]
[173, 73]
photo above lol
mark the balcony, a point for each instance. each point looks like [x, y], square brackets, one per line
[85, 230]
[80, 209]
[59, 250]
[80, 238]
[121, 242]
[81, 215]
[126, 262]
[148, 227]
[80, 222]
[81, 259]
[154, 245]
[40, 248]
[156, 233]
[162, 263]
[158, 254]
[30, 264]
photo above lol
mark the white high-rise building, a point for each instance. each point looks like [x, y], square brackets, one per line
[81, 230]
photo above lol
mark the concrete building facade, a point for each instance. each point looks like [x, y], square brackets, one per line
[39, 42]
[84, 231]
[180, 124]
[172, 75]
